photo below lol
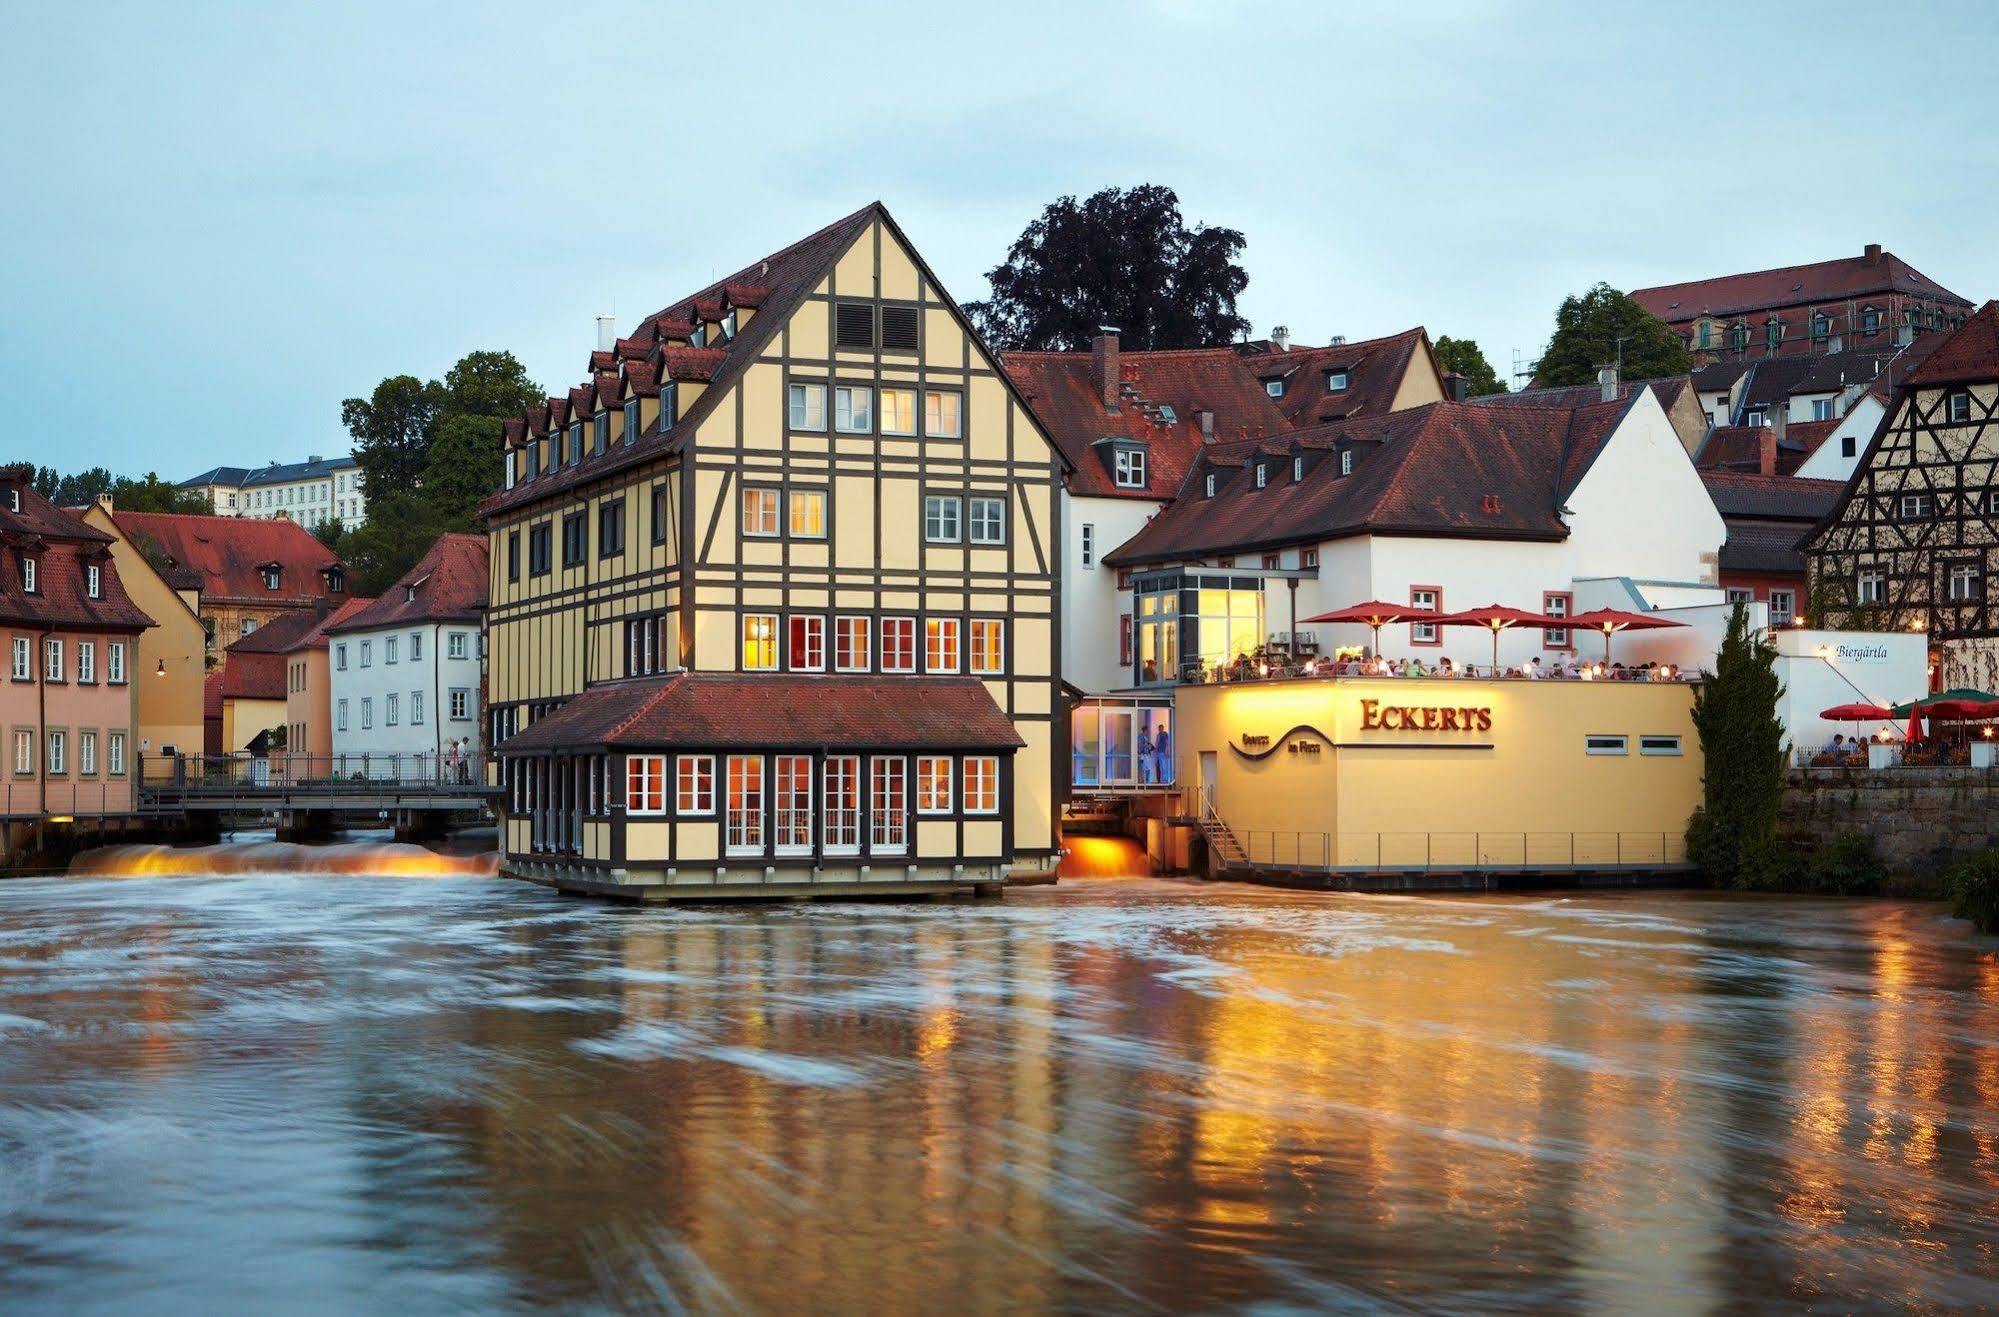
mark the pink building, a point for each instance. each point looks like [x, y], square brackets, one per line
[68, 711]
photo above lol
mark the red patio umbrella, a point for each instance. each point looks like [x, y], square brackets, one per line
[1610, 621]
[1375, 615]
[1915, 733]
[1955, 710]
[1856, 713]
[1497, 618]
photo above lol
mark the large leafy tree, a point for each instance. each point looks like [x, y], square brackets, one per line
[1733, 837]
[1602, 327]
[1123, 257]
[392, 431]
[152, 494]
[1461, 356]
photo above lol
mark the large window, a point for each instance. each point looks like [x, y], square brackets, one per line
[694, 784]
[888, 806]
[988, 645]
[981, 784]
[942, 518]
[791, 814]
[850, 644]
[1158, 637]
[746, 805]
[645, 784]
[841, 804]
[808, 407]
[853, 409]
[933, 784]
[898, 644]
[1129, 469]
[808, 514]
[645, 645]
[989, 521]
[940, 644]
[1230, 625]
[898, 411]
[759, 642]
[760, 504]
[806, 649]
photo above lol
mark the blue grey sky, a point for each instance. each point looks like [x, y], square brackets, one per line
[222, 220]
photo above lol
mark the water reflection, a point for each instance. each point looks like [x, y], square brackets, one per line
[309, 1092]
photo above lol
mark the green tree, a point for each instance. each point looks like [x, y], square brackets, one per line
[463, 468]
[399, 530]
[1461, 356]
[1122, 257]
[486, 384]
[1603, 327]
[152, 494]
[330, 532]
[1733, 836]
[392, 432]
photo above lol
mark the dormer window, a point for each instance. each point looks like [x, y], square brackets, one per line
[1706, 333]
[1210, 486]
[273, 577]
[1274, 387]
[575, 443]
[1262, 475]
[14, 500]
[31, 575]
[669, 404]
[1821, 327]
[729, 325]
[1773, 332]
[93, 581]
[1739, 335]
[1297, 468]
[603, 435]
[699, 338]
[1128, 468]
[1336, 381]
[409, 594]
[1346, 461]
[631, 419]
[336, 580]
[1870, 320]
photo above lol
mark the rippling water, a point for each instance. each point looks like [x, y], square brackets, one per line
[299, 1093]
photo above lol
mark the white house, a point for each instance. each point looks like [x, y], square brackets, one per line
[312, 492]
[406, 669]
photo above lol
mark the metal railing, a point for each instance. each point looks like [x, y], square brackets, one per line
[1406, 851]
[360, 774]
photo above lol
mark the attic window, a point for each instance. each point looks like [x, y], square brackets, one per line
[1298, 468]
[93, 581]
[899, 328]
[1262, 475]
[1821, 327]
[1167, 414]
[631, 419]
[669, 404]
[1870, 320]
[273, 577]
[603, 436]
[1274, 387]
[1336, 381]
[14, 499]
[409, 594]
[853, 325]
[1211, 484]
[336, 580]
[1129, 468]
[699, 338]
[729, 325]
[31, 571]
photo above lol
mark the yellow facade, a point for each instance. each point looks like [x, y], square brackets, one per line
[757, 517]
[169, 664]
[1434, 771]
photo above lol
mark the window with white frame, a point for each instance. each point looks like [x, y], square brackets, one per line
[1336, 381]
[86, 753]
[1736, 594]
[791, 805]
[1555, 603]
[988, 521]
[840, 804]
[416, 708]
[52, 659]
[1089, 545]
[940, 644]
[645, 784]
[416, 647]
[1297, 468]
[392, 709]
[367, 712]
[1961, 582]
[933, 784]
[942, 514]
[888, 805]
[760, 642]
[58, 743]
[1659, 745]
[391, 649]
[114, 754]
[24, 658]
[1128, 468]
[745, 830]
[853, 409]
[86, 662]
[340, 715]
[1606, 744]
[850, 644]
[898, 644]
[1423, 598]
[1822, 409]
[1915, 507]
[760, 511]
[30, 575]
[943, 414]
[93, 581]
[694, 784]
[981, 784]
[340, 657]
[461, 703]
[1275, 388]
[1346, 461]
[898, 410]
[1208, 486]
[988, 645]
[806, 647]
[1957, 406]
[808, 407]
[24, 752]
[367, 653]
[1783, 606]
[457, 644]
[1870, 587]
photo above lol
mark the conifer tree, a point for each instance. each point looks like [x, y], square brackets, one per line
[1733, 837]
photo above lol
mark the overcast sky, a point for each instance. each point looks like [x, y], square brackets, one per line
[220, 221]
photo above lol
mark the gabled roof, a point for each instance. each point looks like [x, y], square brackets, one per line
[281, 635]
[316, 638]
[1776, 498]
[1969, 355]
[1374, 369]
[1443, 470]
[448, 584]
[1792, 285]
[729, 711]
[1667, 387]
[64, 549]
[224, 557]
[1740, 447]
[253, 676]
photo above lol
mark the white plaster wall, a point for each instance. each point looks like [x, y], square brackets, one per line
[1828, 462]
[1820, 669]
[435, 675]
[1091, 601]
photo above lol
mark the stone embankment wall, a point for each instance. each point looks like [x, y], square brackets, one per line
[1922, 819]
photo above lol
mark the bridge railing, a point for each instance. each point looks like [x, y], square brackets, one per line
[358, 774]
[1587, 851]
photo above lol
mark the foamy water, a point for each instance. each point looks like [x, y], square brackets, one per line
[304, 1092]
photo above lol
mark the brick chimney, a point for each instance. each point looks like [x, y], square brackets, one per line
[1766, 450]
[1104, 365]
[1456, 387]
[1871, 254]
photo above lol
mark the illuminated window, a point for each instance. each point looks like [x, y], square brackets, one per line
[988, 645]
[943, 414]
[981, 784]
[760, 511]
[940, 644]
[745, 833]
[791, 804]
[933, 784]
[898, 411]
[695, 784]
[807, 647]
[850, 644]
[888, 806]
[898, 644]
[808, 513]
[841, 804]
[759, 642]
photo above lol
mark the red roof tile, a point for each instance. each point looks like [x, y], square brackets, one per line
[281, 635]
[228, 554]
[1970, 355]
[693, 363]
[63, 549]
[1792, 285]
[1374, 369]
[447, 585]
[252, 676]
[730, 711]
[1740, 447]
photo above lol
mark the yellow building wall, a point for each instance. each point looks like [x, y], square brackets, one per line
[1330, 773]
[243, 719]
[169, 701]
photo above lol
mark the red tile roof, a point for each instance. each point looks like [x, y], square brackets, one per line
[1740, 447]
[211, 698]
[1375, 368]
[316, 638]
[447, 585]
[1446, 469]
[1792, 285]
[63, 549]
[730, 711]
[1787, 498]
[228, 554]
[281, 635]
[1970, 355]
[253, 676]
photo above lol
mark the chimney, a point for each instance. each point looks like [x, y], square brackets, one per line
[1280, 337]
[1104, 365]
[1456, 387]
[607, 333]
[1606, 380]
[1871, 254]
[1780, 419]
[313, 458]
[104, 501]
[1205, 418]
[1766, 450]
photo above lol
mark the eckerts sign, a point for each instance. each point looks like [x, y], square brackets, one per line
[1427, 718]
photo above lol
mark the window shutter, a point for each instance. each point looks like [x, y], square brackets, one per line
[854, 325]
[899, 327]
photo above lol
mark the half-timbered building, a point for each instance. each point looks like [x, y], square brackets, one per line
[1914, 541]
[774, 603]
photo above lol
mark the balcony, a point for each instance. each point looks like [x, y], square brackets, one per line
[1121, 745]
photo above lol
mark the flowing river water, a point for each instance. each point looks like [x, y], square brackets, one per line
[444, 1091]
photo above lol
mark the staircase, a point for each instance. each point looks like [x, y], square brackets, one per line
[1224, 851]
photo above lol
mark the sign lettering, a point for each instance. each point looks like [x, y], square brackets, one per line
[1423, 718]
